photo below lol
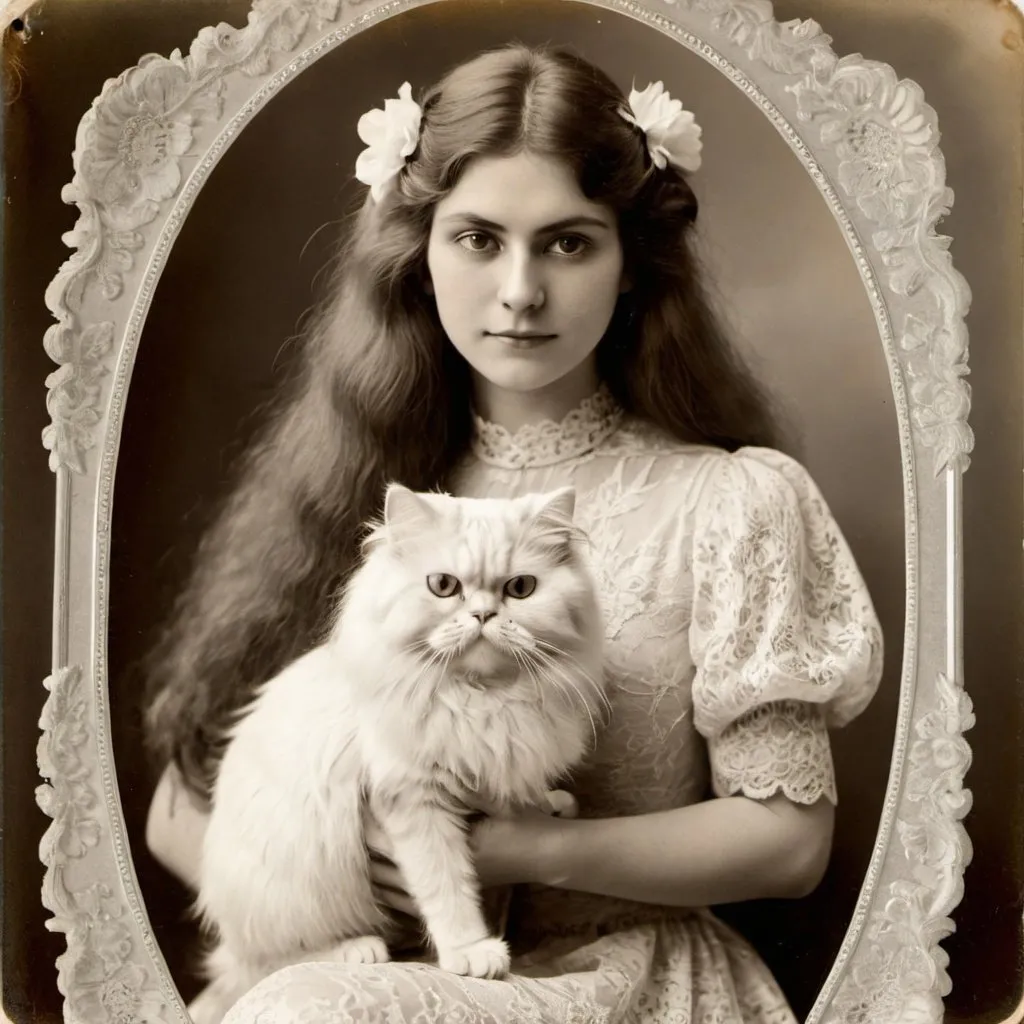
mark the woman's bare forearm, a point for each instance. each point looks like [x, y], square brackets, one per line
[175, 827]
[719, 851]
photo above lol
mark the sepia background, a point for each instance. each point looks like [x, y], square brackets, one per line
[243, 274]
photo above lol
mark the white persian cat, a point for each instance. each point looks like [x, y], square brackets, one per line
[465, 658]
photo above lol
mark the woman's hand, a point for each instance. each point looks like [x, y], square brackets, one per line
[505, 847]
[508, 847]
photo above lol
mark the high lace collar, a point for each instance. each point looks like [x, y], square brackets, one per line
[545, 443]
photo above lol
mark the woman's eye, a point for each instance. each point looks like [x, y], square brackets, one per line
[441, 584]
[570, 245]
[475, 241]
[521, 586]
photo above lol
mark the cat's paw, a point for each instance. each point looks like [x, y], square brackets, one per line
[488, 958]
[365, 949]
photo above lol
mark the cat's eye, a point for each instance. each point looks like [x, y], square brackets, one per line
[441, 584]
[521, 586]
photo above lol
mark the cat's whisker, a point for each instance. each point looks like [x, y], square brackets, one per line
[409, 683]
[435, 658]
[551, 650]
[558, 676]
[446, 660]
[417, 647]
[449, 638]
[538, 686]
[561, 653]
[601, 703]
[525, 666]
[586, 707]
[422, 651]
[424, 666]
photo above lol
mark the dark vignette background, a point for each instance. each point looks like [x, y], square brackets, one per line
[51, 78]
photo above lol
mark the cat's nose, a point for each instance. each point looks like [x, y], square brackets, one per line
[483, 617]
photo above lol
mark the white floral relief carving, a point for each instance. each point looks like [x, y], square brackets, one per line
[129, 160]
[275, 26]
[74, 391]
[96, 974]
[790, 47]
[886, 138]
[901, 975]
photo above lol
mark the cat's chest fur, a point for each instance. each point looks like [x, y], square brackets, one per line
[464, 737]
[314, 726]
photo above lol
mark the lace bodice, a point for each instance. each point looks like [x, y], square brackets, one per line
[737, 624]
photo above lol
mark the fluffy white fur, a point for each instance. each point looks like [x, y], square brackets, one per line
[414, 702]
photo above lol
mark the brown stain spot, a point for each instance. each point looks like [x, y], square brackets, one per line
[1013, 38]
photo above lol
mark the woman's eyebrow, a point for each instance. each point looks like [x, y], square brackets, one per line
[559, 225]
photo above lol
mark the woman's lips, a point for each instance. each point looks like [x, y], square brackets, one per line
[522, 339]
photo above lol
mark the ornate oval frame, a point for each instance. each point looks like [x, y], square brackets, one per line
[869, 142]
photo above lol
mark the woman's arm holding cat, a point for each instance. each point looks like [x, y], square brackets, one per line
[175, 827]
[719, 851]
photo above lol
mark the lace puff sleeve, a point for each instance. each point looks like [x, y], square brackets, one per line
[784, 637]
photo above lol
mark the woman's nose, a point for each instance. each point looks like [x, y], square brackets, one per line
[521, 286]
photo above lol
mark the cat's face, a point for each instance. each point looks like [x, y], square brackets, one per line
[489, 589]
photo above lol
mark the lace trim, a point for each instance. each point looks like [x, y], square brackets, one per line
[594, 420]
[782, 746]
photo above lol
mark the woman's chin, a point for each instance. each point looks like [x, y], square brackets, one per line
[520, 372]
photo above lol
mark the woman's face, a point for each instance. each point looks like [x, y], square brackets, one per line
[526, 272]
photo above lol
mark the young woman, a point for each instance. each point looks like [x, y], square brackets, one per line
[517, 308]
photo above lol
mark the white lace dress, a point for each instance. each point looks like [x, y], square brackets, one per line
[738, 630]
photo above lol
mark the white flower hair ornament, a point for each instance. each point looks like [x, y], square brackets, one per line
[391, 136]
[673, 135]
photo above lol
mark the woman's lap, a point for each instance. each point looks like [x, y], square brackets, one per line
[397, 993]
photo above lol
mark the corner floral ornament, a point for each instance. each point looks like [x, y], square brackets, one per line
[391, 136]
[673, 135]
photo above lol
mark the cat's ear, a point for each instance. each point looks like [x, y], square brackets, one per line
[406, 511]
[559, 506]
[552, 527]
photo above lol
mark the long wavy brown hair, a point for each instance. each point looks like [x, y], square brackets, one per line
[382, 395]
